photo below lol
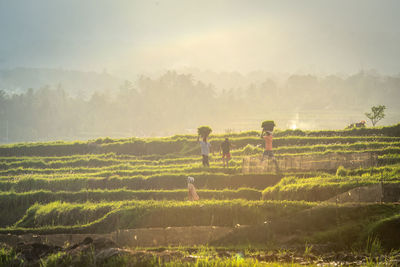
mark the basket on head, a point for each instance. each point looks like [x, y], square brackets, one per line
[268, 125]
[204, 131]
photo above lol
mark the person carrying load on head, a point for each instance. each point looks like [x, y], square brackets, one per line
[225, 149]
[192, 190]
[267, 136]
[205, 150]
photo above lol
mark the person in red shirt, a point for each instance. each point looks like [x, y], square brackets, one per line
[267, 136]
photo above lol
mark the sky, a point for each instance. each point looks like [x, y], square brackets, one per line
[127, 37]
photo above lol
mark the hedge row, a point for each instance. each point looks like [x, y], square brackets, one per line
[162, 150]
[319, 188]
[311, 141]
[156, 182]
[92, 164]
[309, 192]
[393, 130]
[333, 147]
[107, 217]
[284, 216]
[93, 161]
[20, 202]
[138, 147]
[12, 199]
[38, 163]
[119, 170]
[389, 159]
[188, 146]
[384, 172]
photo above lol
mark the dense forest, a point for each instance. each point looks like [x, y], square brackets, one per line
[177, 102]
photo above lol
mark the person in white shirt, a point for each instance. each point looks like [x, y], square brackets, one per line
[205, 150]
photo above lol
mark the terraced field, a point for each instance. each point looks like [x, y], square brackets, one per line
[107, 185]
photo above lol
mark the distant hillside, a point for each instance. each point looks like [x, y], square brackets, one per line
[81, 83]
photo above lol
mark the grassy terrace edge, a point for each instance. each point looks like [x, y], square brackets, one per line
[181, 144]
[343, 225]
[59, 217]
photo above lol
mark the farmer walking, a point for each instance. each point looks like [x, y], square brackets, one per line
[192, 190]
[205, 150]
[225, 149]
[267, 136]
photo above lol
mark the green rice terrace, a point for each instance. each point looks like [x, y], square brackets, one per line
[125, 201]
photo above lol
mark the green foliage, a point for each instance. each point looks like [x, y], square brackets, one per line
[250, 150]
[107, 184]
[7, 255]
[324, 187]
[373, 247]
[108, 216]
[377, 113]
[387, 159]
[206, 258]
[290, 132]
[379, 234]
[376, 131]
[16, 203]
[222, 262]
[178, 146]
[158, 181]
[341, 171]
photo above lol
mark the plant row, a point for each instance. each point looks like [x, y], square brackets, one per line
[167, 147]
[283, 217]
[156, 182]
[323, 188]
[20, 202]
[109, 216]
[388, 155]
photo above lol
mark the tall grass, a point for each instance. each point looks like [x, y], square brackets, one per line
[169, 146]
[324, 187]
[109, 216]
[161, 181]
[97, 185]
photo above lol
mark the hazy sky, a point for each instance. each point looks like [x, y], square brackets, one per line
[126, 36]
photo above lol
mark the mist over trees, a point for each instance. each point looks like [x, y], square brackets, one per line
[178, 103]
[77, 83]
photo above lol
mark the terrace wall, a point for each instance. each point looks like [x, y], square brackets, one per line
[372, 193]
[313, 162]
[141, 237]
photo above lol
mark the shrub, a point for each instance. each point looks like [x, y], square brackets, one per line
[250, 150]
[341, 171]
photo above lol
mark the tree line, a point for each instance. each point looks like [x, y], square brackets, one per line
[178, 103]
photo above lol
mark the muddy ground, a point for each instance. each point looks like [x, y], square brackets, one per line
[102, 251]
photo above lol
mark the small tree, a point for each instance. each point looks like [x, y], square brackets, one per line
[378, 113]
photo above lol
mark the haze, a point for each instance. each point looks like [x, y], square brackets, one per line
[86, 69]
[132, 37]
